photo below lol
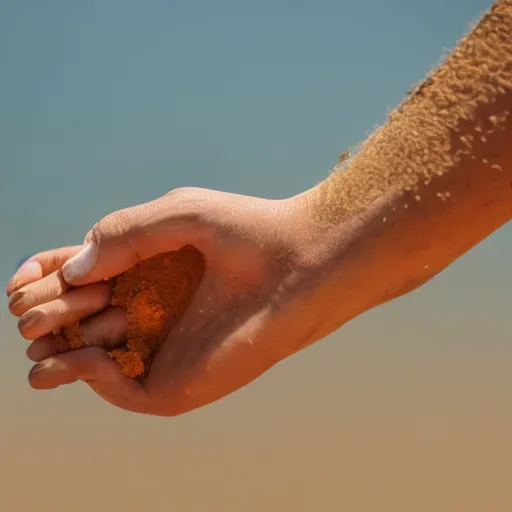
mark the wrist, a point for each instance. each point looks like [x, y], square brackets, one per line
[333, 276]
[429, 185]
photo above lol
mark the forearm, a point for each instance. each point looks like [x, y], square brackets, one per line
[433, 182]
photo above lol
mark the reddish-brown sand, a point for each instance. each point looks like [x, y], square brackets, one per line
[154, 294]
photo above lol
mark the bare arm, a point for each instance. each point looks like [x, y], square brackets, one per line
[429, 185]
[280, 275]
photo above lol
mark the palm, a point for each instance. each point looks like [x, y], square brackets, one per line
[225, 339]
[242, 319]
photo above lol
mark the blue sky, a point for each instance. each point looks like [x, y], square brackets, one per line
[106, 103]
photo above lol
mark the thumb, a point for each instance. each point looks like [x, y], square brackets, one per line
[125, 237]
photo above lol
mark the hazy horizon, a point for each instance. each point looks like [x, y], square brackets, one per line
[105, 105]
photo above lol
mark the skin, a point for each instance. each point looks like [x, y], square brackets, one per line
[430, 184]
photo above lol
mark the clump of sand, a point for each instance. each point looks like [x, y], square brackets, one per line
[154, 294]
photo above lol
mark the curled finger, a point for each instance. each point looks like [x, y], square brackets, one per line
[106, 329]
[38, 292]
[39, 266]
[65, 310]
[93, 366]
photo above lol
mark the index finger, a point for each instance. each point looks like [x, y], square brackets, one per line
[40, 265]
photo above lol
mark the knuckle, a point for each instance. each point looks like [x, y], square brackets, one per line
[183, 192]
[190, 204]
[52, 258]
[114, 224]
[100, 295]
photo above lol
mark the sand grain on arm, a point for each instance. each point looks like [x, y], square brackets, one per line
[436, 179]
[450, 120]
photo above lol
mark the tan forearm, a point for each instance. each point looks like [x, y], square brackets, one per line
[435, 180]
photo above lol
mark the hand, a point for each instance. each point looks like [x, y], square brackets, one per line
[254, 306]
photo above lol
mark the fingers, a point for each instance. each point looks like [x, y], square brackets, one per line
[121, 239]
[29, 272]
[85, 364]
[65, 310]
[40, 265]
[106, 329]
[33, 294]
[93, 366]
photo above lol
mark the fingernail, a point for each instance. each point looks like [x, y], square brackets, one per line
[28, 319]
[81, 264]
[30, 268]
[28, 272]
[46, 365]
[15, 300]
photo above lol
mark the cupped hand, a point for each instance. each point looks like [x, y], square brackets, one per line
[254, 306]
